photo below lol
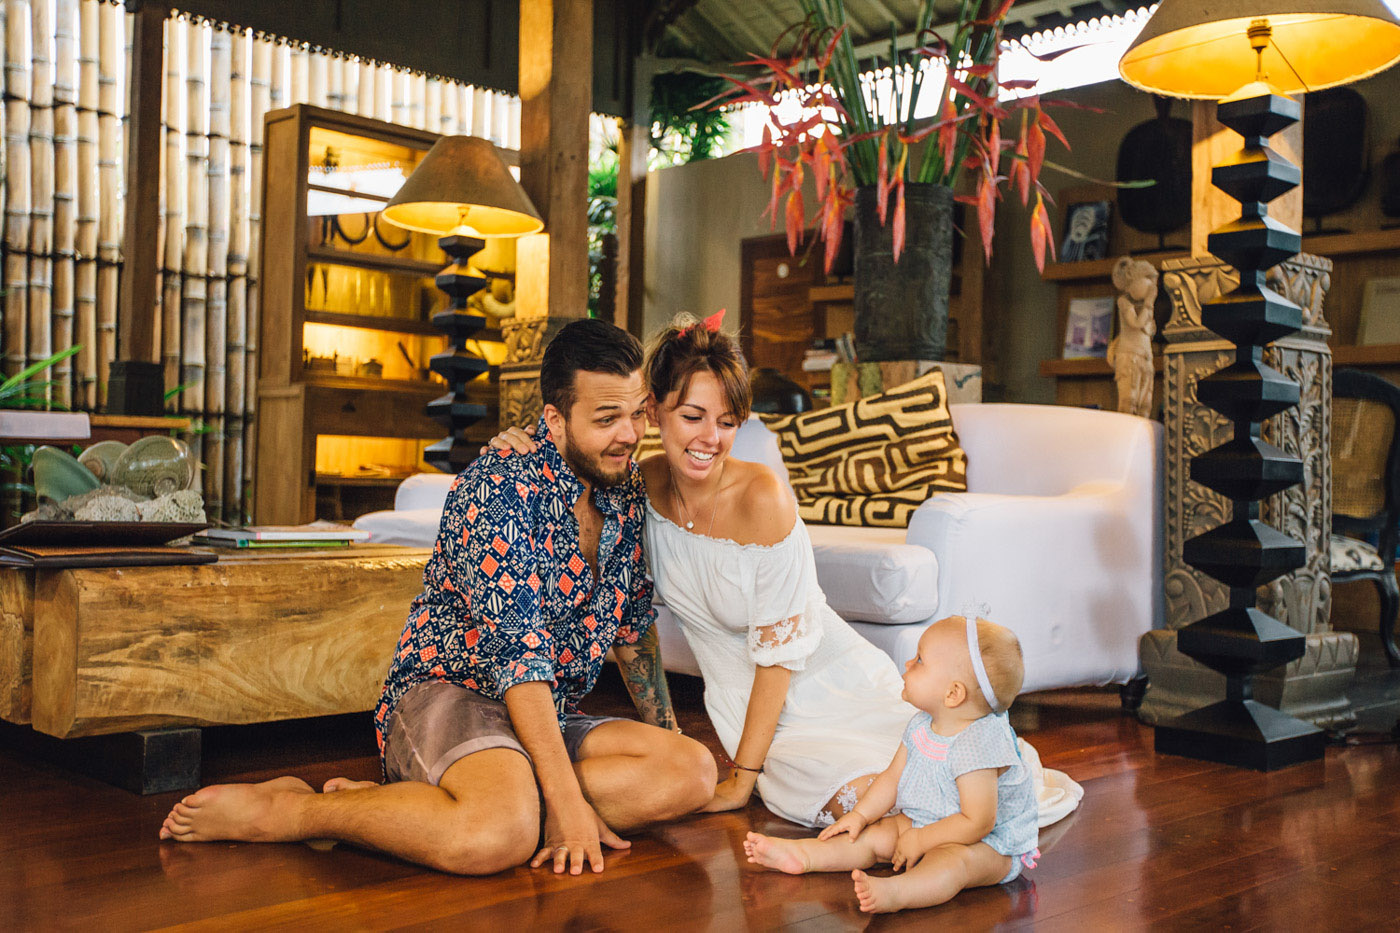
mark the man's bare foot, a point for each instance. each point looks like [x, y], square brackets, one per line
[784, 855]
[248, 812]
[876, 895]
[339, 783]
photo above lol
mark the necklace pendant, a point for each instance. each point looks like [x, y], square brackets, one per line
[690, 524]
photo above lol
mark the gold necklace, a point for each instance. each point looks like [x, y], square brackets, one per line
[681, 506]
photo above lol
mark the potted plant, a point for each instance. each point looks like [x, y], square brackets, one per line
[902, 204]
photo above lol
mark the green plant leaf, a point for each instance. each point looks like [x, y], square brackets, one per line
[1066, 170]
[40, 366]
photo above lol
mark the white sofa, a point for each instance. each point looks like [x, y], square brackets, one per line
[1058, 537]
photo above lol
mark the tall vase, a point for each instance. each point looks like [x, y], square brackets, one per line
[901, 308]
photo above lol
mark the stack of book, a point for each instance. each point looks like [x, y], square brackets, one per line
[317, 534]
[825, 353]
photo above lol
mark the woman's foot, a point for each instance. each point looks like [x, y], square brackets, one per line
[785, 855]
[248, 812]
[340, 783]
[876, 895]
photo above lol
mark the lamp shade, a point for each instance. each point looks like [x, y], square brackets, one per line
[462, 185]
[1200, 49]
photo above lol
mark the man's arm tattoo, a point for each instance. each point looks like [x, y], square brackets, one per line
[640, 665]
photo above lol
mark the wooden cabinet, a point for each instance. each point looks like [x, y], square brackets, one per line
[345, 339]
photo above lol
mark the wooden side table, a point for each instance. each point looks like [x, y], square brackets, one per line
[262, 635]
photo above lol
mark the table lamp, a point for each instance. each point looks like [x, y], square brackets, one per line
[461, 192]
[1250, 55]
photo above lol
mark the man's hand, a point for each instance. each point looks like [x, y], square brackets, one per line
[853, 823]
[520, 440]
[733, 793]
[572, 836]
[908, 850]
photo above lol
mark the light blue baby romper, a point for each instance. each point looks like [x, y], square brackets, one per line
[928, 789]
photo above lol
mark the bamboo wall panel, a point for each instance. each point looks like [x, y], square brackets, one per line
[66, 71]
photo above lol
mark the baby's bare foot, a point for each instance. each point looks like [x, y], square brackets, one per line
[249, 812]
[876, 895]
[340, 783]
[785, 855]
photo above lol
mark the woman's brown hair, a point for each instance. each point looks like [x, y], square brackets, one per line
[688, 347]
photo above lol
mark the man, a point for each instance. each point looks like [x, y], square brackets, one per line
[536, 572]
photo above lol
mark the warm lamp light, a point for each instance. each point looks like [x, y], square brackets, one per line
[1199, 48]
[1249, 54]
[462, 186]
[462, 191]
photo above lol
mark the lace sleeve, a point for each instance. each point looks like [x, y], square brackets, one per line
[784, 614]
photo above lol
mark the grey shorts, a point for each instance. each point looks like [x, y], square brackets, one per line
[436, 724]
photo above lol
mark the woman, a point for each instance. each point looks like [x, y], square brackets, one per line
[808, 711]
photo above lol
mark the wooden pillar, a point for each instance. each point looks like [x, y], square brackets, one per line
[551, 268]
[136, 383]
[136, 323]
[556, 92]
[633, 145]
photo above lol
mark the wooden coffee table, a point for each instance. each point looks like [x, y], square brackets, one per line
[261, 635]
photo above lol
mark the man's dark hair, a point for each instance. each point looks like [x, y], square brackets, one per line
[593, 345]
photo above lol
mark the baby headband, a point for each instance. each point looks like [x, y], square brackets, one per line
[975, 651]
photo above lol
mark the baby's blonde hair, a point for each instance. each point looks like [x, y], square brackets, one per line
[1001, 655]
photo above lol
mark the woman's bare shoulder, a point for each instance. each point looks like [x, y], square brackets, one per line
[653, 467]
[766, 504]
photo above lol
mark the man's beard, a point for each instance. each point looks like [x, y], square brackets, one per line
[592, 471]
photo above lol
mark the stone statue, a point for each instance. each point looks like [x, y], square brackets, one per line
[1130, 353]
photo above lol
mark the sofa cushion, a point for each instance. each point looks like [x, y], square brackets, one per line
[871, 575]
[876, 460]
[424, 491]
[407, 527]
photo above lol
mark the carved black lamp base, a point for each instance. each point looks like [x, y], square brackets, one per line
[1243, 734]
[1241, 641]
[458, 365]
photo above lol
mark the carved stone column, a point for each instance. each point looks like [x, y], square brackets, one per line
[1313, 687]
[520, 372]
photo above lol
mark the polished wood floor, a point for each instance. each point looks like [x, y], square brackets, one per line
[1159, 842]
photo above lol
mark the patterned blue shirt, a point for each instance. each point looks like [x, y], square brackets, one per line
[508, 596]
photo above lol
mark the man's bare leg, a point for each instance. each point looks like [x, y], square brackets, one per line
[936, 879]
[634, 774]
[799, 856]
[444, 827]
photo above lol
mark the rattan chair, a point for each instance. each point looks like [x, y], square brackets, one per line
[1366, 489]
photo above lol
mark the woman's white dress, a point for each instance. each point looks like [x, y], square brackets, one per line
[742, 605]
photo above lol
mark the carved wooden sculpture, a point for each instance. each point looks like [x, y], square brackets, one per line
[1130, 353]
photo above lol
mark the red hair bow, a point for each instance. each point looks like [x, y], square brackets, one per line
[710, 323]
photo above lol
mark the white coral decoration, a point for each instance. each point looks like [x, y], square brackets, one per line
[186, 505]
[108, 509]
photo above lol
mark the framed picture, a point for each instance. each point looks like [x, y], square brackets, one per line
[1088, 327]
[1380, 313]
[1086, 231]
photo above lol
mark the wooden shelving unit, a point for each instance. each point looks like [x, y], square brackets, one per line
[353, 305]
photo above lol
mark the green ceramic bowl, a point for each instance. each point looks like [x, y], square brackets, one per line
[154, 466]
[57, 475]
[101, 457]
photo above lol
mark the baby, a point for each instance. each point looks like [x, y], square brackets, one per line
[965, 806]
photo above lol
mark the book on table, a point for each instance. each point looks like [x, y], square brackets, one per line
[316, 534]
